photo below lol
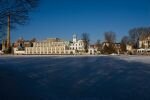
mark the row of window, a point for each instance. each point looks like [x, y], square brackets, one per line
[53, 52]
[48, 45]
[77, 44]
[42, 51]
[34, 49]
[75, 48]
[146, 41]
[142, 51]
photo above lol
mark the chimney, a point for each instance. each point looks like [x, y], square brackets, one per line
[8, 32]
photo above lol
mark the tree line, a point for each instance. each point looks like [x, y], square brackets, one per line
[132, 38]
[134, 35]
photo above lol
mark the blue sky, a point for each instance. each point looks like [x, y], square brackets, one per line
[62, 18]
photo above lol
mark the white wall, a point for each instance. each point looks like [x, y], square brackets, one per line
[18, 52]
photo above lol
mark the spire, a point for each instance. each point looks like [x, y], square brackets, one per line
[74, 38]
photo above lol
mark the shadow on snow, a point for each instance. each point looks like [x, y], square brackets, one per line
[73, 78]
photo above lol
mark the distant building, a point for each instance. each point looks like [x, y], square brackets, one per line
[20, 45]
[105, 44]
[56, 46]
[77, 45]
[92, 50]
[18, 52]
[49, 46]
[129, 48]
[117, 45]
[144, 45]
[52, 46]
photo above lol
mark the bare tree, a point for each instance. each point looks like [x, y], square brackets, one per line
[109, 46]
[136, 34]
[110, 37]
[98, 45]
[15, 12]
[86, 40]
[124, 42]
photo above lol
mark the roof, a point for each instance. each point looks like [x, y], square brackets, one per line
[52, 40]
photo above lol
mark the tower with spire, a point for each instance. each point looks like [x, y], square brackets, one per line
[74, 38]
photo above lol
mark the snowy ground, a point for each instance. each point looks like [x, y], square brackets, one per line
[135, 58]
[74, 78]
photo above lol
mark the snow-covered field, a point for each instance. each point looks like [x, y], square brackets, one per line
[128, 58]
[135, 58]
[74, 78]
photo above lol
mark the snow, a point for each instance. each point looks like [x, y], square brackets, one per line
[135, 58]
[74, 77]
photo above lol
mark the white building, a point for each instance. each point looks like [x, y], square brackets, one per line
[77, 45]
[92, 51]
[144, 45]
[129, 47]
[18, 52]
[52, 46]
[49, 46]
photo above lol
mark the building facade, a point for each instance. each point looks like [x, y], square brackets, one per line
[144, 43]
[144, 46]
[56, 46]
[93, 50]
[77, 45]
[49, 46]
[20, 45]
